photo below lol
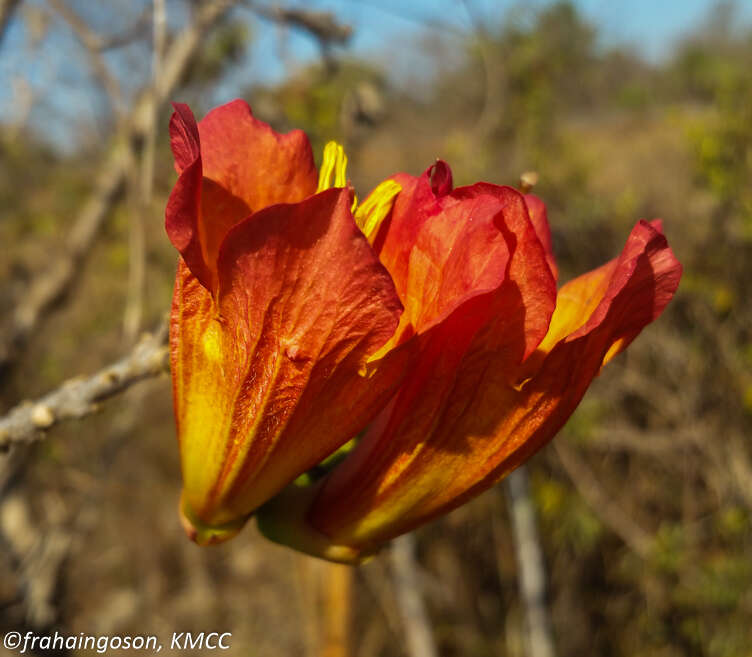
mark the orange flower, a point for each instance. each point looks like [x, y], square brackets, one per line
[503, 359]
[279, 306]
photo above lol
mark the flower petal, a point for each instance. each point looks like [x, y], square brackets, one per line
[407, 471]
[269, 381]
[419, 453]
[199, 211]
[229, 164]
[414, 205]
[279, 169]
[527, 268]
[653, 287]
[539, 217]
[443, 248]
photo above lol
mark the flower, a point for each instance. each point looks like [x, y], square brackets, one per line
[503, 359]
[279, 306]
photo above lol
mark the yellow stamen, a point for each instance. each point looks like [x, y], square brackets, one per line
[334, 165]
[372, 212]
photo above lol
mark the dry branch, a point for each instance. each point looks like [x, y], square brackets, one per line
[138, 30]
[99, 43]
[6, 12]
[322, 25]
[531, 568]
[53, 282]
[38, 555]
[89, 39]
[79, 397]
[417, 625]
[142, 188]
[7, 8]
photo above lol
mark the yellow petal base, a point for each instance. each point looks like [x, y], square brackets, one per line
[203, 534]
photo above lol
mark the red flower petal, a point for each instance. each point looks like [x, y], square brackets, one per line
[271, 380]
[414, 466]
[412, 207]
[419, 200]
[418, 449]
[250, 160]
[199, 211]
[229, 165]
[539, 217]
[444, 247]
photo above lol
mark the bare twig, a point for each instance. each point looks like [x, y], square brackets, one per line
[417, 626]
[375, 578]
[308, 583]
[337, 610]
[39, 555]
[142, 189]
[90, 41]
[325, 596]
[138, 30]
[99, 42]
[78, 398]
[138, 206]
[6, 11]
[532, 571]
[610, 513]
[322, 25]
[52, 283]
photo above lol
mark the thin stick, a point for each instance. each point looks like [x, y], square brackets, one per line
[417, 626]
[78, 398]
[532, 570]
[7, 8]
[52, 283]
[89, 39]
[337, 610]
[142, 189]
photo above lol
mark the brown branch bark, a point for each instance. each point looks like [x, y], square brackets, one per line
[415, 620]
[6, 12]
[53, 282]
[89, 39]
[79, 397]
[142, 189]
[530, 564]
[322, 25]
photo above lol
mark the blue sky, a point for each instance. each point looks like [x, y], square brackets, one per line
[55, 70]
[652, 26]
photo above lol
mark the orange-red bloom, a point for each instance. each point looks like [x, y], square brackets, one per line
[427, 320]
[503, 360]
[279, 303]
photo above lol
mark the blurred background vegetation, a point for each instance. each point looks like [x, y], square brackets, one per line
[643, 500]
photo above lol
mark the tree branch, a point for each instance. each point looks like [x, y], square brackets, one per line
[322, 25]
[89, 39]
[7, 8]
[417, 625]
[79, 397]
[138, 30]
[142, 188]
[531, 568]
[52, 283]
